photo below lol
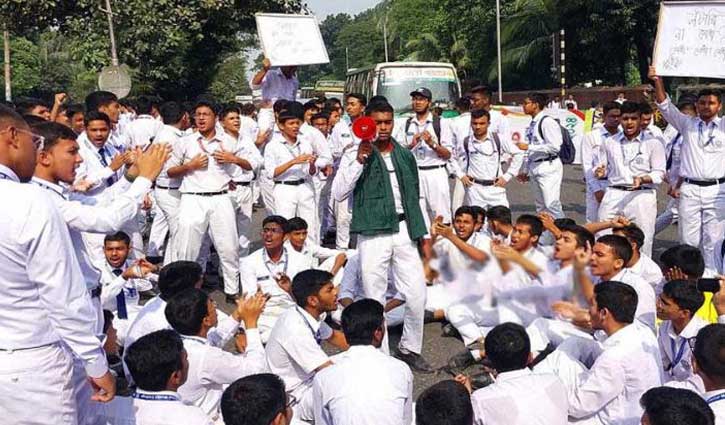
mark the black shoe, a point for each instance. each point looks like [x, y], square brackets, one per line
[415, 361]
[231, 298]
[450, 331]
[461, 360]
[428, 317]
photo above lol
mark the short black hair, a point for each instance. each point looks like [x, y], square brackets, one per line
[484, 90]
[95, 115]
[254, 400]
[499, 213]
[710, 92]
[619, 244]
[186, 311]
[144, 105]
[277, 219]
[465, 209]
[171, 112]
[709, 352]
[296, 223]
[633, 234]
[178, 276]
[479, 210]
[53, 132]
[153, 358]
[685, 294]
[534, 223]
[508, 347]
[685, 257]
[320, 116]
[581, 234]
[379, 107]
[463, 103]
[206, 104]
[291, 111]
[629, 107]
[608, 106]
[279, 105]
[118, 237]
[310, 104]
[8, 114]
[478, 113]
[445, 403]
[564, 221]
[360, 97]
[617, 297]
[360, 320]
[308, 283]
[25, 105]
[99, 99]
[229, 109]
[377, 98]
[645, 108]
[675, 406]
[247, 109]
[539, 99]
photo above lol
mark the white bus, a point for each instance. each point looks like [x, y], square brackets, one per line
[395, 81]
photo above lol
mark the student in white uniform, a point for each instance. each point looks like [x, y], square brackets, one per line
[206, 162]
[159, 365]
[272, 268]
[107, 103]
[482, 175]
[262, 397]
[323, 161]
[676, 307]
[276, 84]
[590, 151]
[640, 264]
[381, 178]
[429, 139]
[289, 160]
[338, 402]
[249, 160]
[702, 193]
[667, 406]
[318, 257]
[446, 402]
[42, 284]
[293, 349]
[142, 131]
[518, 396]
[102, 162]
[708, 363]
[460, 129]
[542, 164]
[192, 314]
[634, 164]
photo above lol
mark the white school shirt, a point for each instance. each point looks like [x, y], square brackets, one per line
[591, 151]
[673, 149]
[170, 135]
[648, 270]
[424, 154]
[716, 400]
[314, 253]
[92, 168]
[211, 370]
[342, 139]
[628, 366]
[319, 145]
[106, 213]
[626, 159]
[382, 393]
[482, 158]
[246, 149]
[155, 408]
[703, 144]
[517, 278]
[548, 146]
[279, 151]
[249, 128]
[276, 86]
[675, 349]
[554, 283]
[394, 185]
[143, 131]
[521, 397]
[112, 285]
[43, 297]
[215, 177]
[646, 300]
[460, 129]
[293, 352]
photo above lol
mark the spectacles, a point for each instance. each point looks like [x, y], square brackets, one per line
[38, 140]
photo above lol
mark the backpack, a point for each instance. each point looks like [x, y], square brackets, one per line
[567, 152]
[498, 150]
[436, 126]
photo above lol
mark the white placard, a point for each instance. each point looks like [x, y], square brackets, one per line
[691, 39]
[291, 39]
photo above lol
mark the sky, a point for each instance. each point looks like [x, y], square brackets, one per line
[322, 8]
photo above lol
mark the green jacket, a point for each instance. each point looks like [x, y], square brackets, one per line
[373, 210]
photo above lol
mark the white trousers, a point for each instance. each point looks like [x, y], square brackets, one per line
[215, 214]
[438, 297]
[639, 206]
[472, 319]
[266, 189]
[435, 194]
[669, 215]
[592, 213]
[322, 200]
[166, 208]
[343, 218]
[243, 200]
[485, 196]
[298, 201]
[545, 184]
[377, 255]
[36, 387]
[458, 195]
[702, 218]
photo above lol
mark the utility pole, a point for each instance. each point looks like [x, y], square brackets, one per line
[6, 61]
[347, 60]
[109, 15]
[562, 63]
[385, 35]
[498, 48]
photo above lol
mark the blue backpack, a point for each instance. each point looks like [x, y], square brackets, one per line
[567, 152]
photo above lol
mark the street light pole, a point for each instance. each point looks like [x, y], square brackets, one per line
[109, 14]
[498, 46]
[6, 61]
[385, 35]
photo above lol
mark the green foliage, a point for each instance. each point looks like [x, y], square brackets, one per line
[230, 80]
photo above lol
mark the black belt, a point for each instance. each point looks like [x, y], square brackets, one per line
[223, 192]
[484, 182]
[431, 167]
[401, 217]
[95, 292]
[548, 158]
[242, 183]
[166, 187]
[291, 182]
[629, 188]
[721, 180]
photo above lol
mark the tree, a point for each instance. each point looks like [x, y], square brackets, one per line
[229, 80]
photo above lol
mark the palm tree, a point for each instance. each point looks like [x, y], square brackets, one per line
[425, 48]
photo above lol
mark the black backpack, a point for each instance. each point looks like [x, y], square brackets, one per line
[567, 152]
[436, 126]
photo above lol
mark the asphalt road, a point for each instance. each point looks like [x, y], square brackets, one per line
[437, 349]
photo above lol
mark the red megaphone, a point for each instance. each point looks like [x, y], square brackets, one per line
[364, 128]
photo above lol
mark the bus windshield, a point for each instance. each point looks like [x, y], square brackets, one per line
[396, 83]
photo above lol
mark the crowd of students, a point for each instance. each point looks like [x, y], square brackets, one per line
[114, 209]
